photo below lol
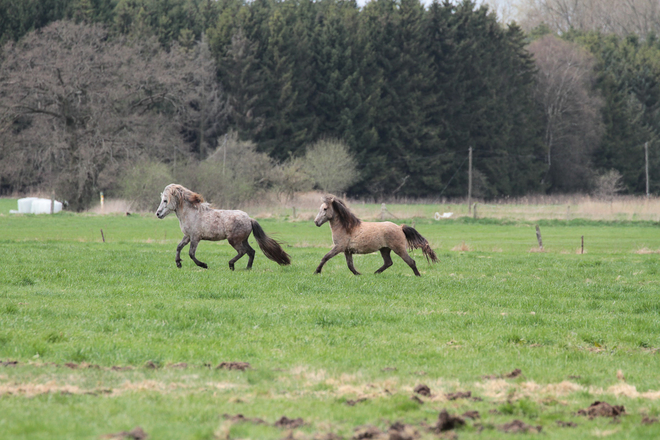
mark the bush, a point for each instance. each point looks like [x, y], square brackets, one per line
[232, 175]
[142, 184]
[332, 167]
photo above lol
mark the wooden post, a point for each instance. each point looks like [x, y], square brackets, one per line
[382, 211]
[52, 202]
[538, 237]
[102, 236]
[294, 212]
[568, 213]
[475, 211]
[582, 248]
[469, 181]
[646, 154]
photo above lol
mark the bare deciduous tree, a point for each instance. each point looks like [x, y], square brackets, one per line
[621, 17]
[79, 106]
[608, 184]
[572, 120]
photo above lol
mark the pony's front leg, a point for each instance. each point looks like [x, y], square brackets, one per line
[349, 262]
[180, 246]
[334, 251]
[191, 252]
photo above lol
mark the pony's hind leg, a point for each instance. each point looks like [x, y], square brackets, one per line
[191, 252]
[179, 247]
[349, 262]
[242, 248]
[387, 260]
[405, 257]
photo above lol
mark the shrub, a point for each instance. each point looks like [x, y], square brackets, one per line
[331, 166]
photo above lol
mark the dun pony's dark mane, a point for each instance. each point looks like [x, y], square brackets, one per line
[347, 219]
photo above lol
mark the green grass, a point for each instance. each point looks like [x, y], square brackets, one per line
[315, 341]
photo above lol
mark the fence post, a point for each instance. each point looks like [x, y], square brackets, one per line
[538, 237]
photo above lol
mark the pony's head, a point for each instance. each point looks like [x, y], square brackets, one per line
[172, 198]
[332, 207]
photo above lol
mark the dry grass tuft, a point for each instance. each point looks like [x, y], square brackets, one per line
[645, 250]
[536, 250]
[463, 247]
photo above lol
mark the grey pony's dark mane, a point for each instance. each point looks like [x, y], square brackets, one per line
[184, 194]
[347, 219]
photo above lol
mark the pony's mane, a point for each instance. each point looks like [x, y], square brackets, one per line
[184, 194]
[347, 219]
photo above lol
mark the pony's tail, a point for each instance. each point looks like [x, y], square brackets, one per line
[270, 247]
[416, 241]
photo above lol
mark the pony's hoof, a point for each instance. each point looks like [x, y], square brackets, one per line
[178, 264]
[231, 267]
[203, 266]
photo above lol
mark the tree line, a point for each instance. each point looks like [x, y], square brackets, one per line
[407, 89]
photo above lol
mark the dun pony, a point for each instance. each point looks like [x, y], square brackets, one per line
[351, 236]
[198, 221]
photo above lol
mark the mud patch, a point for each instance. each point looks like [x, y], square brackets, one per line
[8, 363]
[150, 365]
[136, 433]
[474, 415]
[517, 426]
[646, 420]
[422, 390]
[416, 399]
[240, 418]
[602, 409]
[180, 365]
[401, 431]
[367, 432]
[448, 422]
[242, 366]
[352, 402]
[459, 395]
[512, 375]
[285, 422]
[563, 424]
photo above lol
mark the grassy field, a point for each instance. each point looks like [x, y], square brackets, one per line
[100, 337]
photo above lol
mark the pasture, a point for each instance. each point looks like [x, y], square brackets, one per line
[101, 337]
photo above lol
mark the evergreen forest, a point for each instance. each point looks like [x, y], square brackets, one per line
[93, 90]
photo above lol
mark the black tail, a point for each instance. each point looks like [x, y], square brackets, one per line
[416, 241]
[270, 247]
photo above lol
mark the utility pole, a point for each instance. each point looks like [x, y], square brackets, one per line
[470, 182]
[646, 154]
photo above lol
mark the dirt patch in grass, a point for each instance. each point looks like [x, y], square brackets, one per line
[646, 420]
[447, 422]
[136, 433]
[517, 426]
[422, 390]
[602, 409]
[459, 395]
[240, 418]
[285, 422]
[512, 375]
[472, 414]
[367, 432]
[32, 389]
[563, 424]
[242, 366]
[402, 431]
